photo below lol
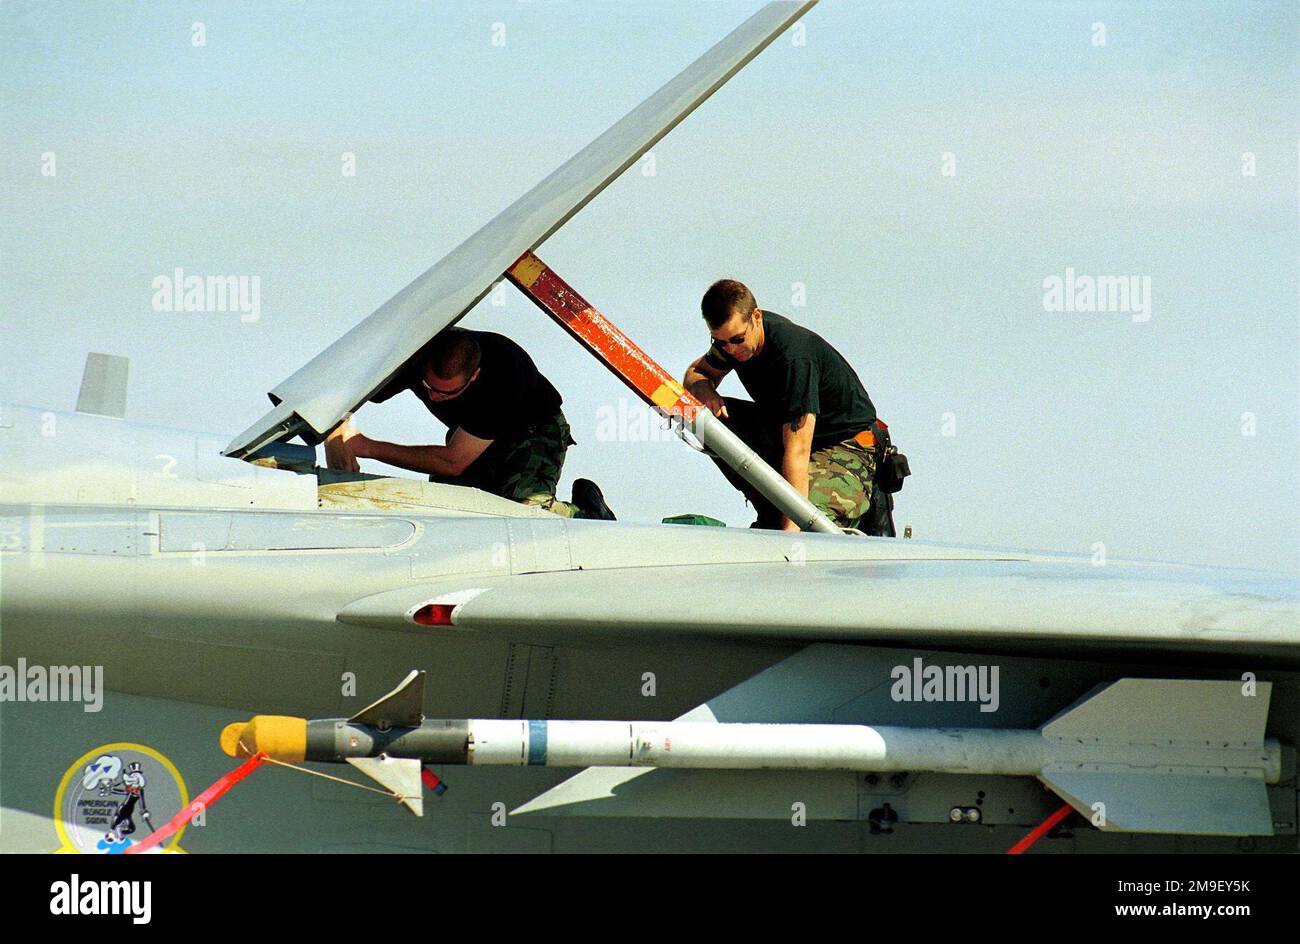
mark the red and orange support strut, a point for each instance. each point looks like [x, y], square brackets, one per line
[605, 341]
[652, 384]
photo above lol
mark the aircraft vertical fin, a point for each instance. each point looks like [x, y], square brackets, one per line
[103, 385]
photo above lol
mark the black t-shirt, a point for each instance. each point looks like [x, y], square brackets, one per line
[798, 372]
[509, 395]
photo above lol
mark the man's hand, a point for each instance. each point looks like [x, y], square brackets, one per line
[708, 394]
[702, 380]
[343, 447]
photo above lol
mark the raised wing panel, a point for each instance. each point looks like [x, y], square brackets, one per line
[342, 377]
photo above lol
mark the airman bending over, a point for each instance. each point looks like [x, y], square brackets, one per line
[506, 433]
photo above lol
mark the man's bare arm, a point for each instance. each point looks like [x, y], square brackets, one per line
[449, 460]
[796, 443]
[702, 380]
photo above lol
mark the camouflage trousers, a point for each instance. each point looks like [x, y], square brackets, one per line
[840, 476]
[525, 469]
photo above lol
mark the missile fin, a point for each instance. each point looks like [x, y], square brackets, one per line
[1160, 801]
[403, 707]
[1104, 750]
[1182, 709]
[398, 774]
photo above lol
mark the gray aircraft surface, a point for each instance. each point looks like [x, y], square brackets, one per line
[169, 598]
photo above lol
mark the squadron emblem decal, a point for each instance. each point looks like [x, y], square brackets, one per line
[114, 796]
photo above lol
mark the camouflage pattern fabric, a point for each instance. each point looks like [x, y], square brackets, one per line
[525, 470]
[840, 481]
[840, 476]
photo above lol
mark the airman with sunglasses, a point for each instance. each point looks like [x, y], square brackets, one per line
[810, 417]
[506, 433]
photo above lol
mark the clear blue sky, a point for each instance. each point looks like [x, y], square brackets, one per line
[819, 164]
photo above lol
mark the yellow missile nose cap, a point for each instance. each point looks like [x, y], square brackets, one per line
[277, 736]
[232, 736]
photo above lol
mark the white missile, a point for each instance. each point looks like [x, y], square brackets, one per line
[714, 746]
[1191, 753]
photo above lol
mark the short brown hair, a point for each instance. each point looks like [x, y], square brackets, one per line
[454, 353]
[724, 297]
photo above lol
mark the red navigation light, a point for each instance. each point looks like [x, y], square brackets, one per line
[434, 614]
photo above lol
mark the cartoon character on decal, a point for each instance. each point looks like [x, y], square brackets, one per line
[131, 787]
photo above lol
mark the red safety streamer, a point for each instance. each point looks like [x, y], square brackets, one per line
[1041, 830]
[201, 802]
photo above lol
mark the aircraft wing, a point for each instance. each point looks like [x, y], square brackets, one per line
[1028, 604]
[315, 399]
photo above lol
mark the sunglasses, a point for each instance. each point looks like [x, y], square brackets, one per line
[434, 391]
[721, 343]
